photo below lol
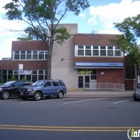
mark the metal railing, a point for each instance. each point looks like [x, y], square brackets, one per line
[103, 86]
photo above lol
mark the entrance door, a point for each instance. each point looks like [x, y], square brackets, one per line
[80, 82]
[87, 81]
[84, 81]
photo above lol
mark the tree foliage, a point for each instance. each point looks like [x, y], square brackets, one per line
[127, 41]
[43, 18]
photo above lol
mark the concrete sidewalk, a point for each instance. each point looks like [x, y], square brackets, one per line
[99, 93]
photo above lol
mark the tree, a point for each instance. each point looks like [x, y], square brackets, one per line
[127, 41]
[43, 18]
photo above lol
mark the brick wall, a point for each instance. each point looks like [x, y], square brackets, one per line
[111, 76]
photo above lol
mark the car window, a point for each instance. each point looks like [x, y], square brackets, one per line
[38, 83]
[18, 84]
[48, 84]
[55, 83]
[138, 86]
[61, 83]
[8, 83]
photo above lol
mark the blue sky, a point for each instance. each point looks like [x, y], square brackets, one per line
[98, 18]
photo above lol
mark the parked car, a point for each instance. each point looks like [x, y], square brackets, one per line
[11, 88]
[136, 95]
[44, 88]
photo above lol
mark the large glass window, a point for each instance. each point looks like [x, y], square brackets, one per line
[46, 54]
[110, 51]
[29, 55]
[35, 55]
[22, 55]
[34, 71]
[80, 50]
[117, 51]
[95, 51]
[88, 50]
[102, 51]
[41, 55]
[16, 55]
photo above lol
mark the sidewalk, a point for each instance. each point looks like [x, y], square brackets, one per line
[99, 93]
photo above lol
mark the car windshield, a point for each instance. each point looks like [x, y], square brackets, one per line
[8, 83]
[38, 83]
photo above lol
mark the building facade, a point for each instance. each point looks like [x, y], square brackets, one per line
[83, 61]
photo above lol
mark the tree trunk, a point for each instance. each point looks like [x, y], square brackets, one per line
[49, 60]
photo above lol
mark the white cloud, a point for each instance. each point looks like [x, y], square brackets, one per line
[5, 48]
[82, 15]
[105, 16]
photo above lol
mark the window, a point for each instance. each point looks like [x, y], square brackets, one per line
[110, 51]
[55, 83]
[46, 54]
[35, 55]
[41, 55]
[61, 83]
[138, 86]
[95, 51]
[10, 72]
[34, 71]
[48, 84]
[88, 50]
[22, 54]
[80, 50]
[102, 51]
[18, 84]
[16, 55]
[40, 71]
[117, 51]
[29, 55]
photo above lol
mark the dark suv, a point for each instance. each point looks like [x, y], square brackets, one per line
[43, 88]
[11, 88]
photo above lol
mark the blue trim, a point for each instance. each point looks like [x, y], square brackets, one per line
[99, 64]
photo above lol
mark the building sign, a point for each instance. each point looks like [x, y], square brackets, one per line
[99, 64]
[20, 68]
[27, 72]
[86, 71]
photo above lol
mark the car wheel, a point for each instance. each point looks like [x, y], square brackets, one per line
[5, 95]
[60, 95]
[37, 96]
[134, 97]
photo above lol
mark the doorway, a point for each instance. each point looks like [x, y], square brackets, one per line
[84, 81]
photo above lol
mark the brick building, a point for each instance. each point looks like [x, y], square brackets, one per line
[83, 61]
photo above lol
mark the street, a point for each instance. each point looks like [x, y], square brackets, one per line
[68, 118]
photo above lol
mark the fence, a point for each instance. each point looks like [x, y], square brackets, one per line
[103, 86]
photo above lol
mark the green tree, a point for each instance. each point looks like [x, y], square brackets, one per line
[43, 18]
[127, 41]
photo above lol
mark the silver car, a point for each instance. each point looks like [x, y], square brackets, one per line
[136, 95]
[43, 88]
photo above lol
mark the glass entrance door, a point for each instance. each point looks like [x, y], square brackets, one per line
[84, 81]
[87, 81]
[80, 82]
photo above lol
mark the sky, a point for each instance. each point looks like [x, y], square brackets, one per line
[98, 18]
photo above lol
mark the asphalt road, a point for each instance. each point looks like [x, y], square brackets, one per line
[69, 119]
